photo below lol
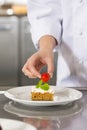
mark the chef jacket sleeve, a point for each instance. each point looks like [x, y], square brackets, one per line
[45, 18]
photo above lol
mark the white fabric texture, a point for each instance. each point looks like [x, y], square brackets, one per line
[66, 20]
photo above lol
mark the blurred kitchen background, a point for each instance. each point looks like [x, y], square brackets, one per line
[16, 44]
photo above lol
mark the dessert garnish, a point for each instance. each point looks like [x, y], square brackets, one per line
[42, 91]
[45, 77]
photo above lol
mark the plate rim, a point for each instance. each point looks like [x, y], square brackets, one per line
[40, 103]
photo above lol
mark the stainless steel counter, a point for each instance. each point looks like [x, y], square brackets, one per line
[69, 117]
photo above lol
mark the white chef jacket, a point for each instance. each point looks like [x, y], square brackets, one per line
[66, 20]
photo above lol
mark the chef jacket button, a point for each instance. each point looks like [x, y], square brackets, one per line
[81, 61]
[81, 33]
[81, 1]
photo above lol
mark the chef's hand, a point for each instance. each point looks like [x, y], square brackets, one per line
[44, 57]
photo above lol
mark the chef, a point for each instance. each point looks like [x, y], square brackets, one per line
[59, 25]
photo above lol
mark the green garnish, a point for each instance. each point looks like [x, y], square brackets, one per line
[42, 85]
[45, 86]
[39, 84]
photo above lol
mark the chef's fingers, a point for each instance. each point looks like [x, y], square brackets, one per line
[31, 70]
[50, 67]
[27, 72]
[35, 72]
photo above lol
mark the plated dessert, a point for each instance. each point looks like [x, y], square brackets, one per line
[42, 90]
[44, 95]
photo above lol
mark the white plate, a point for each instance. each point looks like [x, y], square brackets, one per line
[61, 96]
[9, 124]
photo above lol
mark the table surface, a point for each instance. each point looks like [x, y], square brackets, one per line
[69, 117]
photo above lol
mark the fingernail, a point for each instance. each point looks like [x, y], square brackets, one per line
[51, 75]
[38, 75]
[25, 74]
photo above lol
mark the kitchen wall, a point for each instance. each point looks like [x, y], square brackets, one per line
[15, 48]
[16, 45]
